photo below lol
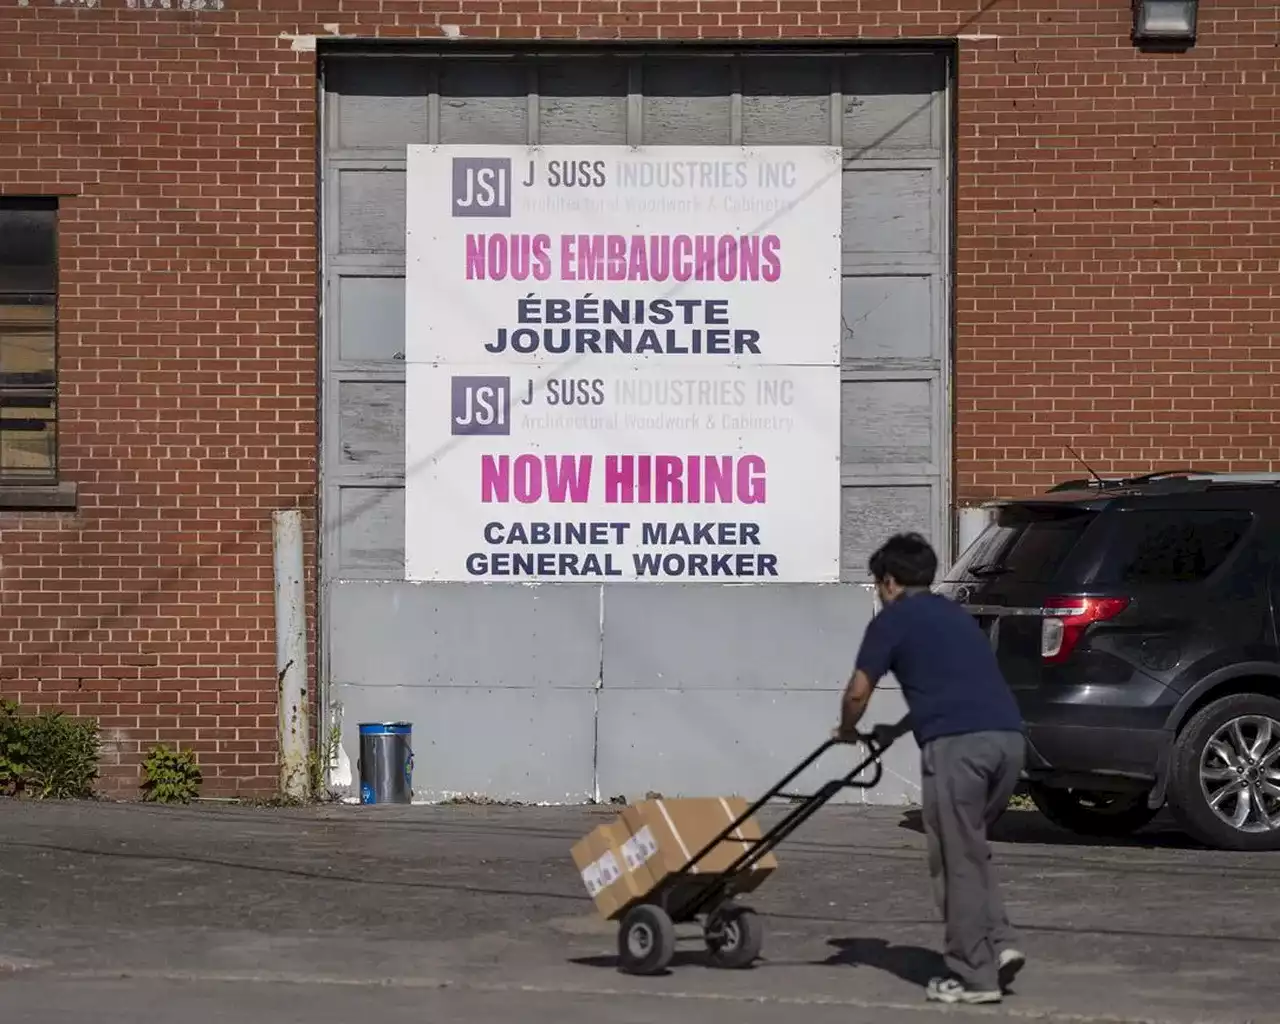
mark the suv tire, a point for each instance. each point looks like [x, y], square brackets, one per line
[1198, 771]
[1088, 813]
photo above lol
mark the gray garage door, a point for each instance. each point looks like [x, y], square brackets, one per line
[574, 691]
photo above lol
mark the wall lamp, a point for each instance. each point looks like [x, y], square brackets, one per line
[1165, 23]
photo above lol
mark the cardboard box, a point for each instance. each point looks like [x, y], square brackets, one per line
[623, 860]
[602, 862]
[672, 832]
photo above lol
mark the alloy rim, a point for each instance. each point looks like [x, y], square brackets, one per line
[1240, 773]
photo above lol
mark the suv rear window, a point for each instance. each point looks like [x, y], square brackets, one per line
[1026, 543]
[1171, 547]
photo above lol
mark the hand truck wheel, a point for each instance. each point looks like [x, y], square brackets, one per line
[646, 940]
[734, 935]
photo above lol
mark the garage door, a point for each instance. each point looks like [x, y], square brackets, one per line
[576, 691]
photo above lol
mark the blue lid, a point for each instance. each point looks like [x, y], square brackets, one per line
[385, 728]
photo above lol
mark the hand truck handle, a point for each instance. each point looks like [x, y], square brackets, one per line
[883, 736]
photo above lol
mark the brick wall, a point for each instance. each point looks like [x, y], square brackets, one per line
[1116, 289]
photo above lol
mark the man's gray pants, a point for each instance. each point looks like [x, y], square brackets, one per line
[966, 783]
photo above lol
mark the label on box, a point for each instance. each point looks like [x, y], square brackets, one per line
[639, 848]
[591, 878]
[608, 868]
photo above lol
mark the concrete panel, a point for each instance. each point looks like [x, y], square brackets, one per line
[687, 102]
[370, 211]
[530, 745]
[371, 426]
[466, 635]
[780, 637]
[888, 211]
[726, 742]
[887, 320]
[870, 515]
[370, 318]
[887, 423]
[383, 105]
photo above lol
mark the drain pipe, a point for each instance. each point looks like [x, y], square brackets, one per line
[291, 653]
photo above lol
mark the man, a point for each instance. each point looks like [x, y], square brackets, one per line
[969, 730]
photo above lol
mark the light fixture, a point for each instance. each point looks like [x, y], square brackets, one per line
[1168, 22]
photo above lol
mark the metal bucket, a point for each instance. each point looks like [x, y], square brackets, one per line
[386, 762]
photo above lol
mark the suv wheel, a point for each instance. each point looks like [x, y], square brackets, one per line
[1090, 813]
[1224, 782]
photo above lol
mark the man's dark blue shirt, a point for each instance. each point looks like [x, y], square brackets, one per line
[944, 663]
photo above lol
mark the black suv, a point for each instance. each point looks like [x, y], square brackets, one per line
[1135, 621]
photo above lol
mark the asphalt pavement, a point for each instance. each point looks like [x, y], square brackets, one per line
[114, 913]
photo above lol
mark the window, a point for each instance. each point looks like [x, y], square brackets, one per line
[1027, 544]
[1172, 547]
[28, 331]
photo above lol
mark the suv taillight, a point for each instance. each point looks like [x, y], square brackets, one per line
[1069, 617]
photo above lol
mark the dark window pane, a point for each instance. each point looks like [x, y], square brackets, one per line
[28, 397]
[28, 246]
[1168, 547]
[1043, 546]
[1027, 545]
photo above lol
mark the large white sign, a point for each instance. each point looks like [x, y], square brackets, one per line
[623, 364]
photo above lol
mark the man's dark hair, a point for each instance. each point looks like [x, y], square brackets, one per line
[908, 558]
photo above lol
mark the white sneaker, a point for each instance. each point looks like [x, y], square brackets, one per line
[953, 990]
[1010, 963]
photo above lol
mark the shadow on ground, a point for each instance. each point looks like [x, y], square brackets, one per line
[913, 964]
[682, 959]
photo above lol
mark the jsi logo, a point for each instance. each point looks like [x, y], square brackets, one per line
[481, 186]
[481, 405]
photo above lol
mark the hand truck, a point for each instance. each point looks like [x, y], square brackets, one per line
[733, 932]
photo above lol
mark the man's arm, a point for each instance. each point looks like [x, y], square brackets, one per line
[853, 705]
[875, 658]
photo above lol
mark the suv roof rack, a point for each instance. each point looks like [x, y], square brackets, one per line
[1175, 477]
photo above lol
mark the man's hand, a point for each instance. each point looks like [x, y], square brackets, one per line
[886, 733]
[882, 736]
